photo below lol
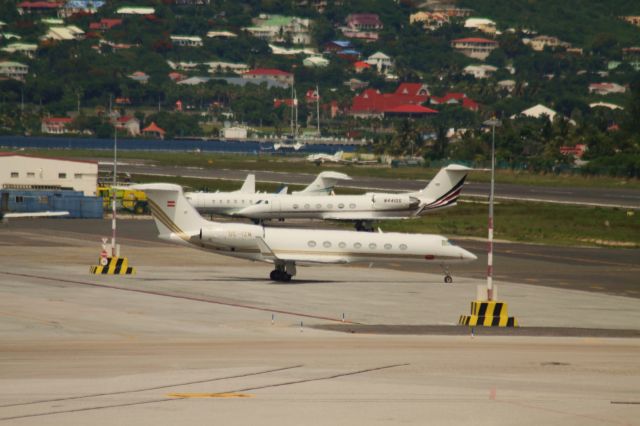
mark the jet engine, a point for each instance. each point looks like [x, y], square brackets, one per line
[235, 236]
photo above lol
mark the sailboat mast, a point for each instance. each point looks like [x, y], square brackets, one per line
[318, 108]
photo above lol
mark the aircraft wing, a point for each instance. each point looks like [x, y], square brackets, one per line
[360, 216]
[301, 258]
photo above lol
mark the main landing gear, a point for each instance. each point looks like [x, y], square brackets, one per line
[364, 225]
[283, 272]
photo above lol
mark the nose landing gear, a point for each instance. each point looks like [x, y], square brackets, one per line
[447, 275]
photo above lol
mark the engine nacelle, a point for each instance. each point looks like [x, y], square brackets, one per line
[237, 235]
[394, 201]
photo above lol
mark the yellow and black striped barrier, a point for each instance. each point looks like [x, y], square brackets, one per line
[113, 266]
[488, 314]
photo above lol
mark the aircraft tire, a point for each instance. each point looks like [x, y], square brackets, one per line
[448, 279]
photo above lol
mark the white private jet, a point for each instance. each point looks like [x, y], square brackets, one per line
[178, 221]
[230, 203]
[321, 158]
[442, 191]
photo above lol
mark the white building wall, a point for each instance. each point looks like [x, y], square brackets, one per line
[24, 171]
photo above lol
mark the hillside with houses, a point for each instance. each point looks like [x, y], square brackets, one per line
[408, 77]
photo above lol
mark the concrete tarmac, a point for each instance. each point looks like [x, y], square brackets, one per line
[199, 338]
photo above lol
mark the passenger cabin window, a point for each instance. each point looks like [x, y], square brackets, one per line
[307, 206]
[318, 206]
[403, 246]
[326, 244]
[357, 245]
[341, 206]
[311, 243]
[352, 206]
[31, 175]
[387, 246]
[62, 175]
[19, 199]
[77, 176]
[15, 174]
[342, 244]
[372, 246]
[295, 207]
[329, 206]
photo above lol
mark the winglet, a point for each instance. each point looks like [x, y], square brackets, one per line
[265, 250]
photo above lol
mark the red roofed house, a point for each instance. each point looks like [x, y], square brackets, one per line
[290, 102]
[372, 103]
[361, 66]
[474, 47]
[42, 7]
[276, 75]
[455, 99]
[409, 110]
[55, 125]
[105, 24]
[312, 96]
[363, 26]
[577, 151]
[606, 88]
[153, 130]
[176, 76]
[129, 124]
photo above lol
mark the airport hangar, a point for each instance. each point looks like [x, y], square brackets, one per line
[32, 183]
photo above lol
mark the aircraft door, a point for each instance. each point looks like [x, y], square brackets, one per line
[275, 205]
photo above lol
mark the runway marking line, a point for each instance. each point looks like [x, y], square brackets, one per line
[153, 401]
[177, 296]
[172, 385]
[209, 395]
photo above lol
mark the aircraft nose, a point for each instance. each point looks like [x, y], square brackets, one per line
[468, 256]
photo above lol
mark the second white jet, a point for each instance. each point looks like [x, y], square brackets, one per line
[441, 192]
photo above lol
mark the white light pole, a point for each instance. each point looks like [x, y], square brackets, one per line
[493, 123]
[113, 189]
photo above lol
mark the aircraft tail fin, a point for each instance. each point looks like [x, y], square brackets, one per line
[323, 184]
[171, 210]
[249, 185]
[283, 189]
[444, 189]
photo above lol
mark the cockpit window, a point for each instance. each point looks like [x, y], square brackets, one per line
[446, 243]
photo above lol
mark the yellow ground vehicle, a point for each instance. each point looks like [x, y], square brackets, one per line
[131, 200]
